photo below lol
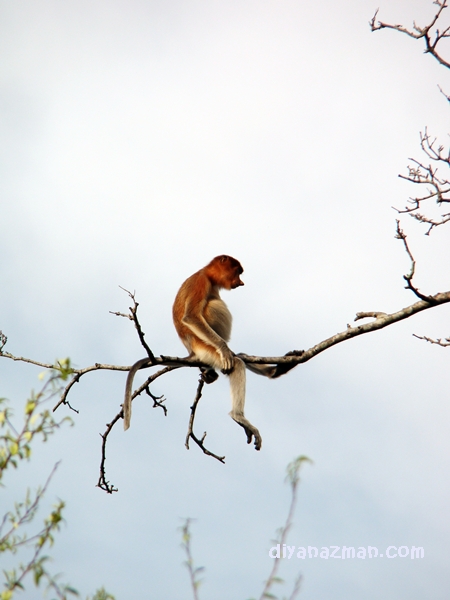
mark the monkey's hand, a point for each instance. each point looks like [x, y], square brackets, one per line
[227, 358]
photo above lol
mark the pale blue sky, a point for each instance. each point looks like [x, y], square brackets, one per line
[139, 140]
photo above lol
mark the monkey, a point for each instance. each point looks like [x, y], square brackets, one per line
[203, 323]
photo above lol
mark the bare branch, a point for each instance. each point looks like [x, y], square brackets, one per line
[3, 340]
[431, 38]
[133, 317]
[438, 341]
[157, 400]
[371, 314]
[285, 363]
[381, 321]
[27, 360]
[400, 235]
[102, 481]
[437, 187]
[446, 96]
[78, 374]
[190, 432]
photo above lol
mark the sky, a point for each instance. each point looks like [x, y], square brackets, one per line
[139, 140]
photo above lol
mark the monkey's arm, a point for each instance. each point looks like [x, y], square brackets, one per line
[194, 320]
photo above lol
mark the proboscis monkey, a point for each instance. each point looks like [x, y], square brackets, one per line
[203, 322]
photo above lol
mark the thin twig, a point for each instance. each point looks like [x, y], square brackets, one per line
[438, 341]
[400, 235]
[293, 478]
[431, 39]
[190, 432]
[133, 317]
[103, 483]
[193, 571]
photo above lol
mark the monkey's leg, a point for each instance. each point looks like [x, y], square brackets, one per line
[237, 384]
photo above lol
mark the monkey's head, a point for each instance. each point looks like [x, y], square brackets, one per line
[225, 271]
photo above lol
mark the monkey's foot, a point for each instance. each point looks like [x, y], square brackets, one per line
[285, 368]
[208, 375]
[258, 438]
[249, 429]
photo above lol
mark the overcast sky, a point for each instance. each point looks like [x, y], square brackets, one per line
[139, 140]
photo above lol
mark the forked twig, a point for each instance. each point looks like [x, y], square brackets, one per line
[190, 432]
[103, 483]
[400, 235]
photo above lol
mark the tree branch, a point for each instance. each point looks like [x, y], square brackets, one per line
[190, 432]
[430, 38]
[381, 320]
[133, 317]
[103, 483]
[286, 362]
[438, 341]
[437, 187]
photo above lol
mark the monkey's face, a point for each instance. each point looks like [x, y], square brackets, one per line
[228, 271]
[233, 280]
[236, 281]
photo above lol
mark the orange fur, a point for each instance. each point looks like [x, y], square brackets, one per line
[203, 322]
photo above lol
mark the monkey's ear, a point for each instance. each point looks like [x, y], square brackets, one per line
[223, 258]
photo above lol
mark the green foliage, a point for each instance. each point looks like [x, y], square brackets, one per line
[293, 478]
[15, 446]
[102, 594]
[194, 572]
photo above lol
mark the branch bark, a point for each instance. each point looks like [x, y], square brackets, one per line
[381, 320]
